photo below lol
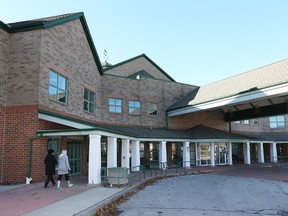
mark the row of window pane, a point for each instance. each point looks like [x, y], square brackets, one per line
[115, 105]
[274, 121]
[58, 92]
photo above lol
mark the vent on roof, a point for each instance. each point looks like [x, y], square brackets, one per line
[249, 90]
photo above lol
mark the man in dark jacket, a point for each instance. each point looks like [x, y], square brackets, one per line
[50, 164]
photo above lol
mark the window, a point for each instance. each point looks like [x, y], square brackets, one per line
[237, 122]
[246, 122]
[89, 101]
[115, 105]
[277, 122]
[57, 87]
[255, 121]
[152, 109]
[54, 143]
[134, 107]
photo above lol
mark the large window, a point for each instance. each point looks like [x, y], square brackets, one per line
[134, 107]
[89, 101]
[277, 121]
[115, 105]
[57, 87]
[152, 109]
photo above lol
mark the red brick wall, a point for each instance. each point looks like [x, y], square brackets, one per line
[19, 125]
[213, 119]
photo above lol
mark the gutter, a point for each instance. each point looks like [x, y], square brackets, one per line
[28, 177]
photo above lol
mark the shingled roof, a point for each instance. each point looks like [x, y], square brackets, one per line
[260, 78]
[198, 132]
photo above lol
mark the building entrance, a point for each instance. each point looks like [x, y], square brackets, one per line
[221, 153]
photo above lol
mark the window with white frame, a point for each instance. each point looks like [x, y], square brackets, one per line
[115, 105]
[89, 101]
[152, 109]
[57, 87]
[277, 121]
[246, 122]
[134, 107]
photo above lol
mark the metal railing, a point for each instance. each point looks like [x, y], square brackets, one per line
[121, 175]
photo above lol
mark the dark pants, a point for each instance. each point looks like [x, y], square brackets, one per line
[60, 177]
[48, 179]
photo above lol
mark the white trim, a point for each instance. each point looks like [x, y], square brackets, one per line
[233, 100]
[63, 121]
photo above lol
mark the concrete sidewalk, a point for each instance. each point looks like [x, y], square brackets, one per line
[33, 199]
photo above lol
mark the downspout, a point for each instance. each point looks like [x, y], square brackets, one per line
[28, 177]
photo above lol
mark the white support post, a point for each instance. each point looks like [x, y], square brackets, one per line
[135, 155]
[230, 159]
[273, 153]
[247, 159]
[186, 155]
[212, 154]
[163, 154]
[197, 159]
[111, 152]
[260, 153]
[94, 172]
[125, 154]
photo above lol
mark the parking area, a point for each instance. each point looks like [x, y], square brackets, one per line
[238, 190]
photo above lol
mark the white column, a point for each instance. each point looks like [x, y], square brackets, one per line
[111, 152]
[230, 159]
[247, 159]
[186, 155]
[273, 152]
[260, 153]
[135, 155]
[94, 172]
[163, 154]
[125, 154]
[212, 154]
[196, 154]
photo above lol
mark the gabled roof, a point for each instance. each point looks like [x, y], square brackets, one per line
[140, 56]
[49, 22]
[257, 93]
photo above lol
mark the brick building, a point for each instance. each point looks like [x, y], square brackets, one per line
[55, 93]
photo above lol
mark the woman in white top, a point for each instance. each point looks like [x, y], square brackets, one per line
[63, 169]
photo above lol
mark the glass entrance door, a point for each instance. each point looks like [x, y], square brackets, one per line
[205, 154]
[74, 152]
[221, 156]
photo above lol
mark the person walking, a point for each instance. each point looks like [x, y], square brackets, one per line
[50, 164]
[63, 169]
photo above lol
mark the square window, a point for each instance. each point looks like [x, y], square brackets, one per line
[134, 107]
[152, 109]
[115, 105]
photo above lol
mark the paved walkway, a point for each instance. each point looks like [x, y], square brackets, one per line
[33, 199]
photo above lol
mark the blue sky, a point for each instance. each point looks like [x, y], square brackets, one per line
[194, 41]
